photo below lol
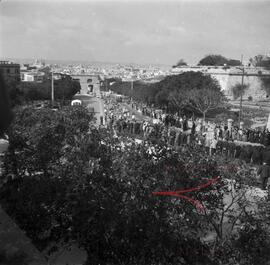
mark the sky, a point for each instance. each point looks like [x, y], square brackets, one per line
[139, 31]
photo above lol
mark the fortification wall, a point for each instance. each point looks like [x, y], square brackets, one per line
[255, 87]
[229, 77]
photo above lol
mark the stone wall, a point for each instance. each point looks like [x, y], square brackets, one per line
[230, 77]
[255, 87]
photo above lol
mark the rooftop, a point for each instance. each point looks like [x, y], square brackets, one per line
[7, 62]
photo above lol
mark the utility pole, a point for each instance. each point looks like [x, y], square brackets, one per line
[242, 90]
[52, 89]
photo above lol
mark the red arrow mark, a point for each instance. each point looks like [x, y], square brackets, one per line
[178, 193]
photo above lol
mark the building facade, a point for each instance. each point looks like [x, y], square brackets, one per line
[10, 71]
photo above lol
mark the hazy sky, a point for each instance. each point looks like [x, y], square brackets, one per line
[129, 31]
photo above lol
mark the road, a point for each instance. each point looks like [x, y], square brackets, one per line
[263, 105]
[92, 101]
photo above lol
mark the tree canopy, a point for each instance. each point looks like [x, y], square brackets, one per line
[5, 108]
[180, 63]
[63, 89]
[218, 60]
[66, 181]
[206, 100]
[171, 93]
[260, 61]
[238, 89]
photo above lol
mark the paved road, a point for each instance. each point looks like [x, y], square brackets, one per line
[92, 101]
[264, 106]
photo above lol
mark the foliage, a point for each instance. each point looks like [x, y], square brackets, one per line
[68, 184]
[218, 60]
[266, 84]
[252, 242]
[71, 182]
[180, 63]
[13, 258]
[260, 61]
[238, 89]
[205, 100]
[63, 89]
[171, 93]
[5, 108]
[16, 96]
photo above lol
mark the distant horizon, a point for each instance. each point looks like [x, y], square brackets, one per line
[14, 59]
[68, 61]
[134, 32]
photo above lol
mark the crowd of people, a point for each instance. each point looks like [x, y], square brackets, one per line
[234, 133]
[249, 145]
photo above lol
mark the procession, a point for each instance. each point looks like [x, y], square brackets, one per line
[249, 145]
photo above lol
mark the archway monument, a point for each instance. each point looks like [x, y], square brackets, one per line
[92, 99]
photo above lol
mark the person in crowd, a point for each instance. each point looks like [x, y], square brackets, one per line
[266, 138]
[226, 134]
[257, 155]
[225, 149]
[256, 136]
[213, 146]
[264, 173]
[238, 150]
[234, 133]
[246, 153]
[219, 147]
[262, 137]
[185, 124]
[251, 136]
[231, 149]
[239, 136]
[124, 126]
[208, 138]
[266, 155]
[245, 136]
[249, 149]
[220, 133]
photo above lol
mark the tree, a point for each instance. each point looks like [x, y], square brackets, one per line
[266, 84]
[63, 89]
[6, 114]
[180, 63]
[101, 196]
[260, 61]
[213, 60]
[16, 96]
[218, 60]
[256, 60]
[170, 93]
[238, 89]
[206, 99]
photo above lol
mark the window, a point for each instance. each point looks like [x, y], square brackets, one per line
[8, 71]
